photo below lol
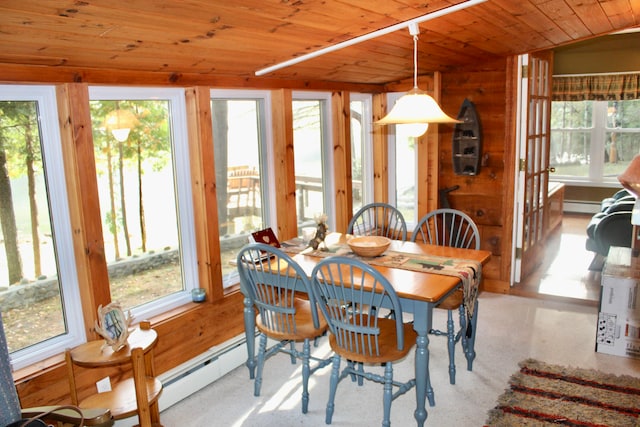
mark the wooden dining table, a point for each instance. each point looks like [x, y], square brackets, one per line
[419, 292]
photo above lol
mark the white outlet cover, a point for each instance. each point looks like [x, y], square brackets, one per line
[104, 385]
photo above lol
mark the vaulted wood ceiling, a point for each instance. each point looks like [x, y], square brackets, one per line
[239, 37]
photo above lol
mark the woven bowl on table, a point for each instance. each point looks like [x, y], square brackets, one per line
[369, 246]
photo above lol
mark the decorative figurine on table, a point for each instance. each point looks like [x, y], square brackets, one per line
[321, 232]
[113, 325]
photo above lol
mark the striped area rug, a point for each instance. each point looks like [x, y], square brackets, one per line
[550, 395]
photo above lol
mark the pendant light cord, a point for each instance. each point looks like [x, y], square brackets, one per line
[415, 61]
[414, 30]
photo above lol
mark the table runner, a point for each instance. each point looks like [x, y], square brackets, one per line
[468, 271]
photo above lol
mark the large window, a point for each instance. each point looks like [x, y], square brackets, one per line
[241, 148]
[403, 156]
[361, 151]
[142, 164]
[313, 162]
[38, 280]
[593, 141]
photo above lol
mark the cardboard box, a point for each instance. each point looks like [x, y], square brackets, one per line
[618, 331]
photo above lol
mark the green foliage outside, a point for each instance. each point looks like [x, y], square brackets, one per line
[571, 136]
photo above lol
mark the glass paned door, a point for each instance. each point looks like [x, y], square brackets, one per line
[534, 165]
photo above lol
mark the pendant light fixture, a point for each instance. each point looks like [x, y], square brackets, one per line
[416, 109]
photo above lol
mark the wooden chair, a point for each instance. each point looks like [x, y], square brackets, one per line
[378, 219]
[271, 280]
[12, 412]
[358, 332]
[243, 185]
[450, 227]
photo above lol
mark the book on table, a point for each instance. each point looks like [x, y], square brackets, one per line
[266, 236]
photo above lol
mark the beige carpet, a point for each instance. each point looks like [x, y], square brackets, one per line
[511, 329]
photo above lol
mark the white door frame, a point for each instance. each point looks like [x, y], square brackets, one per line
[521, 146]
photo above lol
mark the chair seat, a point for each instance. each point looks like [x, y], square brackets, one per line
[387, 342]
[304, 324]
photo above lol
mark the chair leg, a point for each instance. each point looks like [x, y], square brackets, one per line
[430, 396]
[451, 344]
[292, 346]
[387, 395]
[262, 348]
[352, 367]
[306, 371]
[361, 376]
[333, 385]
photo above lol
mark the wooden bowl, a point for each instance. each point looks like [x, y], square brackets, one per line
[369, 246]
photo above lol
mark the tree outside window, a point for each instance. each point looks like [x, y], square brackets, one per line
[141, 157]
[593, 141]
[38, 280]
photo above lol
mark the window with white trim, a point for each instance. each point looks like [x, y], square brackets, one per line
[242, 144]
[313, 159]
[38, 278]
[403, 160]
[593, 141]
[361, 150]
[144, 181]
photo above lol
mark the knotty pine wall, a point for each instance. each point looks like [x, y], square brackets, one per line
[488, 196]
[190, 330]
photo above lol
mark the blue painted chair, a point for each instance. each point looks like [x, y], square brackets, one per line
[12, 415]
[358, 331]
[271, 280]
[378, 219]
[451, 227]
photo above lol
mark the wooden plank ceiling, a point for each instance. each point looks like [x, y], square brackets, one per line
[237, 38]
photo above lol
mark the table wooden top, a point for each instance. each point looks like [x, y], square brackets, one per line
[95, 353]
[415, 285]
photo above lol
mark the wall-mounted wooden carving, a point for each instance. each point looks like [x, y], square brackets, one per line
[467, 141]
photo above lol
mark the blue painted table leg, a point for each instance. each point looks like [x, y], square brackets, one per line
[249, 332]
[470, 351]
[422, 380]
[422, 314]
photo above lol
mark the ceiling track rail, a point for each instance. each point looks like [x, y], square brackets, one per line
[369, 36]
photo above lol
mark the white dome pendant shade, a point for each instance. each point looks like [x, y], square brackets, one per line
[416, 107]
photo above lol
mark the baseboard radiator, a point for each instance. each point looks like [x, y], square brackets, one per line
[581, 206]
[197, 373]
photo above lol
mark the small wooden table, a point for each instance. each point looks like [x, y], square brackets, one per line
[137, 395]
[419, 293]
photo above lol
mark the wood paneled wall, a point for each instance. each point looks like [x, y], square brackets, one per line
[194, 328]
[488, 196]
